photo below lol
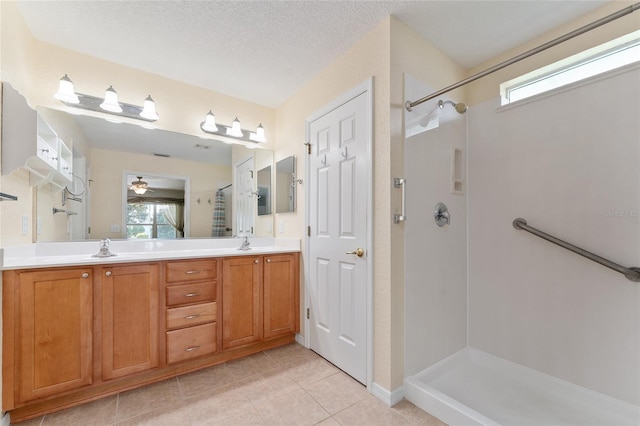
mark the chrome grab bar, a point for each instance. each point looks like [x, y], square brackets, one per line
[632, 273]
[400, 183]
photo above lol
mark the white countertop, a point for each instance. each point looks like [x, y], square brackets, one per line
[41, 255]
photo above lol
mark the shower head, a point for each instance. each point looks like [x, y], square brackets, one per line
[460, 107]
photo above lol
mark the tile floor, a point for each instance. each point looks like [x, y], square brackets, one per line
[289, 385]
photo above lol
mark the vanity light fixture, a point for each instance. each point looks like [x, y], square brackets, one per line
[65, 91]
[109, 104]
[209, 123]
[234, 131]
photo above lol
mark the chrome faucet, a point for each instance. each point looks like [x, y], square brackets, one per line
[104, 249]
[245, 244]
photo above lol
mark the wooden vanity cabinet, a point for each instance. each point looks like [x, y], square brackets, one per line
[130, 317]
[281, 297]
[48, 331]
[74, 334]
[192, 310]
[260, 298]
[241, 295]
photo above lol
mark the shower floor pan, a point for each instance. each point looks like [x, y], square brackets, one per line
[472, 387]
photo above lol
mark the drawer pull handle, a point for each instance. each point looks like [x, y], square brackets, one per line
[192, 348]
[85, 275]
[192, 272]
[191, 294]
[192, 316]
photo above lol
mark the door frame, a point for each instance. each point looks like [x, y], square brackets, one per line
[366, 88]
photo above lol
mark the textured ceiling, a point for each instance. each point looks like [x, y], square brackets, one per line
[264, 51]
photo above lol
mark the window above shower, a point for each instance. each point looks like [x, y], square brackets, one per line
[614, 54]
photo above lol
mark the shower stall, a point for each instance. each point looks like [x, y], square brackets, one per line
[503, 327]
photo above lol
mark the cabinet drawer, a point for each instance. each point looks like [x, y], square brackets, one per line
[191, 293]
[191, 342]
[187, 316]
[192, 270]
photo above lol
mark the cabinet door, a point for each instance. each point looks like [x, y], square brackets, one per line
[280, 294]
[130, 319]
[54, 334]
[241, 310]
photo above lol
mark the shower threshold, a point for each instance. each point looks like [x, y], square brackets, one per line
[472, 387]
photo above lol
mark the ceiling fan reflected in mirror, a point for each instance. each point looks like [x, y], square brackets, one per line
[139, 186]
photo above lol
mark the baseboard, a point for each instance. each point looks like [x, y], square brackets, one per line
[389, 398]
[300, 340]
[6, 419]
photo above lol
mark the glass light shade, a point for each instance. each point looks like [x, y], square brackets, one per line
[235, 129]
[149, 110]
[139, 190]
[260, 133]
[111, 101]
[209, 124]
[65, 92]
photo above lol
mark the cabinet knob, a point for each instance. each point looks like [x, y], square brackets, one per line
[256, 261]
[108, 273]
[268, 260]
[85, 275]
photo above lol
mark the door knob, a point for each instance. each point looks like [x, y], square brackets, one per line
[358, 252]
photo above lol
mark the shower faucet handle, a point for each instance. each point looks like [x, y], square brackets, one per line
[441, 215]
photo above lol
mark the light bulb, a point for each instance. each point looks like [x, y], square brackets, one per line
[65, 92]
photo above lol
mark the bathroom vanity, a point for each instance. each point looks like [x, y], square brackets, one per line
[76, 328]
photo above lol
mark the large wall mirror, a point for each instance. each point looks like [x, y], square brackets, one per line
[189, 184]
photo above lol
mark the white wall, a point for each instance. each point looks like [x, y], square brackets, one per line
[568, 164]
[435, 257]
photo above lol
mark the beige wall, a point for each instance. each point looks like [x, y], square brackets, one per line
[369, 57]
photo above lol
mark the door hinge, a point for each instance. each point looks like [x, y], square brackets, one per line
[308, 231]
[308, 313]
[308, 147]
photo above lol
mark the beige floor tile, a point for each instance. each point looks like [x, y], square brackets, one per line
[162, 395]
[293, 407]
[311, 371]
[271, 382]
[176, 416]
[292, 353]
[251, 418]
[336, 392]
[416, 415]
[100, 412]
[205, 380]
[328, 422]
[251, 365]
[370, 412]
[208, 410]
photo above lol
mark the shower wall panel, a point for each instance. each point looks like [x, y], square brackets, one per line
[567, 162]
[435, 257]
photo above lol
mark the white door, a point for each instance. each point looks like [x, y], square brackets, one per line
[339, 191]
[245, 201]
